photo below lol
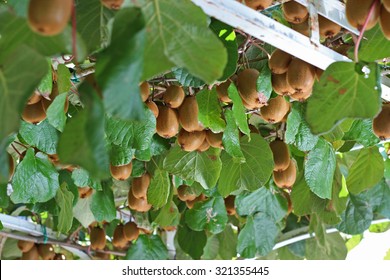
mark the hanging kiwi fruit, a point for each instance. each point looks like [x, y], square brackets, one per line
[302, 27]
[229, 205]
[204, 146]
[25, 246]
[167, 124]
[300, 75]
[386, 5]
[381, 123]
[34, 113]
[281, 154]
[286, 178]
[188, 114]
[85, 192]
[152, 107]
[184, 193]
[49, 17]
[144, 90]
[301, 96]
[138, 204]
[112, 4]
[121, 172]
[140, 185]
[294, 12]
[357, 12]
[34, 98]
[276, 109]
[222, 91]
[385, 22]
[190, 203]
[258, 5]
[98, 238]
[328, 28]
[131, 231]
[190, 141]
[214, 139]
[32, 254]
[247, 88]
[279, 61]
[46, 251]
[280, 84]
[174, 96]
[118, 238]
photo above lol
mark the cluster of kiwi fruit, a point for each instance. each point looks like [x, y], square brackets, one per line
[230, 205]
[33, 251]
[187, 195]
[285, 168]
[137, 195]
[125, 233]
[381, 123]
[358, 10]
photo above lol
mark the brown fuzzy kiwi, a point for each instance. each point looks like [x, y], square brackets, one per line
[46, 251]
[204, 147]
[258, 5]
[34, 98]
[247, 88]
[152, 107]
[98, 238]
[191, 203]
[121, 172]
[286, 178]
[184, 193]
[140, 186]
[301, 96]
[188, 114]
[138, 204]
[118, 237]
[49, 18]
[294, 12]
[112, 4]
[328, 28]
[357, 12]
[229, 205]
[385, 22]
[190, 141]
[34, 113]
[300, 75]
[318, 73]
[280, 84]
[214, 139]
[386, 5]
[174, 96]
[144, 89]
[222, 91]
[302, 28]
[281, 155]
[167, 124]
[85, 192]
[102, 256]
[25, 246]
[276, 109]
[279, 61]
[48, 100]
[32, 254]
[381, 123]
[131, 231]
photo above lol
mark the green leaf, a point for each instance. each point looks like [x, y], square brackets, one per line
[120, 155]
[42, 136]
[334, 248]
[210, 214]
[320, 166]
[157, 147]
[203, 167]
[250, 175]
[64, 199]
[103, 204]
[258, 236]
[186, 79]
[147, 248]
[211, 248]
[4, 198]
[374, 45]
[379, 198]
[387, 257]
[298, 132]
[45, 87]
[56, 114]
[231, 138]
[190, 241]
[262, 200]
[344, 91]
[353, 241]
[366, 171]
[63, 78]
[4, 161]
[209, 110]
[16, 67]
[19, 7]
[168, 216]
[82, 211]
[192, 45]
[42, 178]
[239, 110]
[263, 83]
[228, 239]
[158, 191]
[1, 225]
[361, 132]
[119, 67]
[82, 179]
[89, 148]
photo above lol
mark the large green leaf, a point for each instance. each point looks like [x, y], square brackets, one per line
[178, 34]
[4, 161]
[147, 248]
[202, 167]
[344, 91]
[250, 175]
[228, 239]
[239, 111]
[264, 83]
[82, 211]
[210, 214]
[42, 136]
[375, 46]
[82, 178]
[56, 114]
[379, 198]
[103, 204]
[64, 199]
[320, 166]
[366, 171]
[120, 155]
[231, 137]
[63, 78]
[361, 132]
[158, 191]
[168, 216]
[334, 248]
[209, 110]
[192, 242]
[158, 146]
[186, 79]
[119, 67]
[35, 179]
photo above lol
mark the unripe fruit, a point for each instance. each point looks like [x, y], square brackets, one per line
[258, 5]
[381, 123]
[300, 75]
[112, 4]
[294, 12]
[286, 178]
[46, 251]
[276, 109]
[247, 87]
[188, 114]
[118, 238]
[385, 22]
[174, 96]
[152, 107]
[32, 254]
[222, 91]
[281, 155]
[214, 139]
[144, 89]
[25, 246]
[229, 204]
[138, 204]
[167, 124]
[131, 231]
[121, 172]
[328, 28]
[33, 113]
[357, 12]
[184, 193]
[190, 141]
[279, 61]
[280, 84]
[140, 186]
[98, 238]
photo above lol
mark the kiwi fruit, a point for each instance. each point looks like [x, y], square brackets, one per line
[381, 123]
[121, 172]
[328, 28]
[247, 88]
[318, 73]
[174, 96]
[301, 96]
[34, 113]
[190, 141]
[357, 12]
[229, 205]
[385, 22]
[131, 231]
[214, 139]
[294, 12]
[188, 114]
[32, 254]
[102, 256]
[144, 89]
[286, 178]
[280, 84]
[300, 75]
[98, 238]
[112, 4]
[302, 28]
[25, 246]
[184, 193]
[152, 107]
[279, 61]
[204, 146]
[118, 237]
[138, 204]
[59, 257]
[47, 101]
[222, 91]
[85, 192]
[276, 109]
[34, 98]
[386, 5]
[46, 251]
[191, 203]
[140, 186]
[167, 124]
[258, 5]
[49, 17]
[11, 166]
[281, 155]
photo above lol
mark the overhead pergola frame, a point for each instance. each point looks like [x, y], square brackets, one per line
[282, 37]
